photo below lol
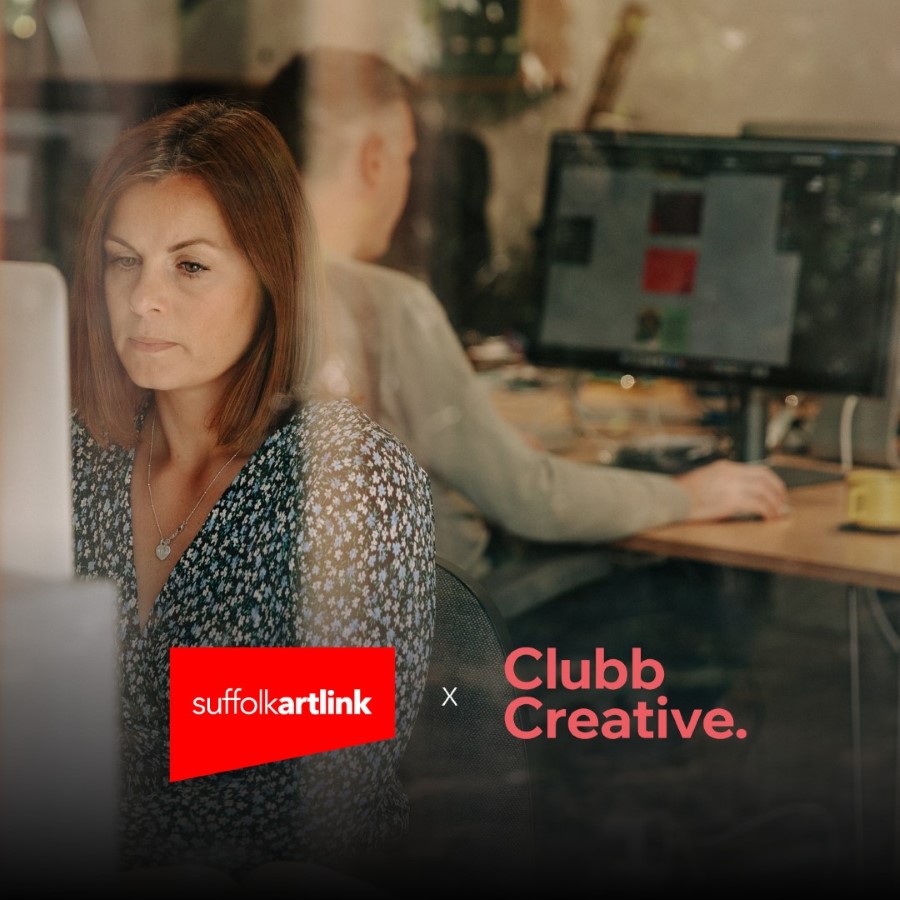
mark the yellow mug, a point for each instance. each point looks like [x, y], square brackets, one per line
[874, 499]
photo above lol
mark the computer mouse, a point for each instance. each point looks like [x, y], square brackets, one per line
[756, 517]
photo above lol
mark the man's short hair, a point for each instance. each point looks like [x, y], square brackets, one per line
[317, 100]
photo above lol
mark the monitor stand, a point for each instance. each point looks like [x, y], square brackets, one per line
[750, 439]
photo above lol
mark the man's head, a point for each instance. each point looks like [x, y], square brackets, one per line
[347, 116]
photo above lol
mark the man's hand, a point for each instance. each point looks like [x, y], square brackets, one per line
[725, 489]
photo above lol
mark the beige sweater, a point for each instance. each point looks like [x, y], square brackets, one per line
[396, 355]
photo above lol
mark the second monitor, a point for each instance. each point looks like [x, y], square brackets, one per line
[757, 263]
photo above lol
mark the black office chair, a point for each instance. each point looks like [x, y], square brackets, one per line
[467, 777]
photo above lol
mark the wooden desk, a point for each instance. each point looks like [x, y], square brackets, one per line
[810, 542]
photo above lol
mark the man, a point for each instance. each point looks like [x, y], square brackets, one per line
[397, 356]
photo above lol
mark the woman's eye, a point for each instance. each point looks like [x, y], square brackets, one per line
[192, 268]
[123, 262]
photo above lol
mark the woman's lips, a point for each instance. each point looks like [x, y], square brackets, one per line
[150, 345]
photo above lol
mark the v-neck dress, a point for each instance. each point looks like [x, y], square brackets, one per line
[324, 538]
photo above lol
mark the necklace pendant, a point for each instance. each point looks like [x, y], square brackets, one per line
[162, 550]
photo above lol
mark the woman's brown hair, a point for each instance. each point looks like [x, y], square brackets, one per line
[245, 164]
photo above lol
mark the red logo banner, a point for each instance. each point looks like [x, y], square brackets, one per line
[231, 707]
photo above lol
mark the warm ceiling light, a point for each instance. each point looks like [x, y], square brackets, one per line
[24, 27]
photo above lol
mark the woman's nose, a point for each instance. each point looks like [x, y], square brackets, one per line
[148, 292]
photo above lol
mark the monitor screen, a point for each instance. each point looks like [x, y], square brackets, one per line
[761, 262]
[35, 409]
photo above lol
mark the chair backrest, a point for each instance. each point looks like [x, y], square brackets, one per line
[466, 776]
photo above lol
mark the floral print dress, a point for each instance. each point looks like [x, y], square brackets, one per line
[324, 538]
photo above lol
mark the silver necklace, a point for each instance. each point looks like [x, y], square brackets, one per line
[162, 548]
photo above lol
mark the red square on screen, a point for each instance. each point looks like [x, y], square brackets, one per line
[668, 271]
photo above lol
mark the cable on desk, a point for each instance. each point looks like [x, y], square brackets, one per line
[848, 408]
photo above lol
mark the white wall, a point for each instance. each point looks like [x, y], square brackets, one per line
[112, 40]
[278, 28]
[698, 66]
[709, 66]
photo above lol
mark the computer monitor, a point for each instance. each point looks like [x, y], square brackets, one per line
[874, 432]
[35, 409]
[755, 263]
[59, 702]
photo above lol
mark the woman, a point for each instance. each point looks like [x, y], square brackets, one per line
[228, 507]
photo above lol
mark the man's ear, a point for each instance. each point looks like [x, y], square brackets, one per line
[371, 158]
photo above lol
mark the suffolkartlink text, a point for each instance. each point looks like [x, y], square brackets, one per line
[317, 703]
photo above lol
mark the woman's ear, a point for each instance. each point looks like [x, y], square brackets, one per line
[371, 158]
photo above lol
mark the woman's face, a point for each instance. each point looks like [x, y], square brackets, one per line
[183, 300]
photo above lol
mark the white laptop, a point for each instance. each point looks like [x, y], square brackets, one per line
[58, 643]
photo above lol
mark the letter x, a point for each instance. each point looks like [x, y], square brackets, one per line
[449, 697]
